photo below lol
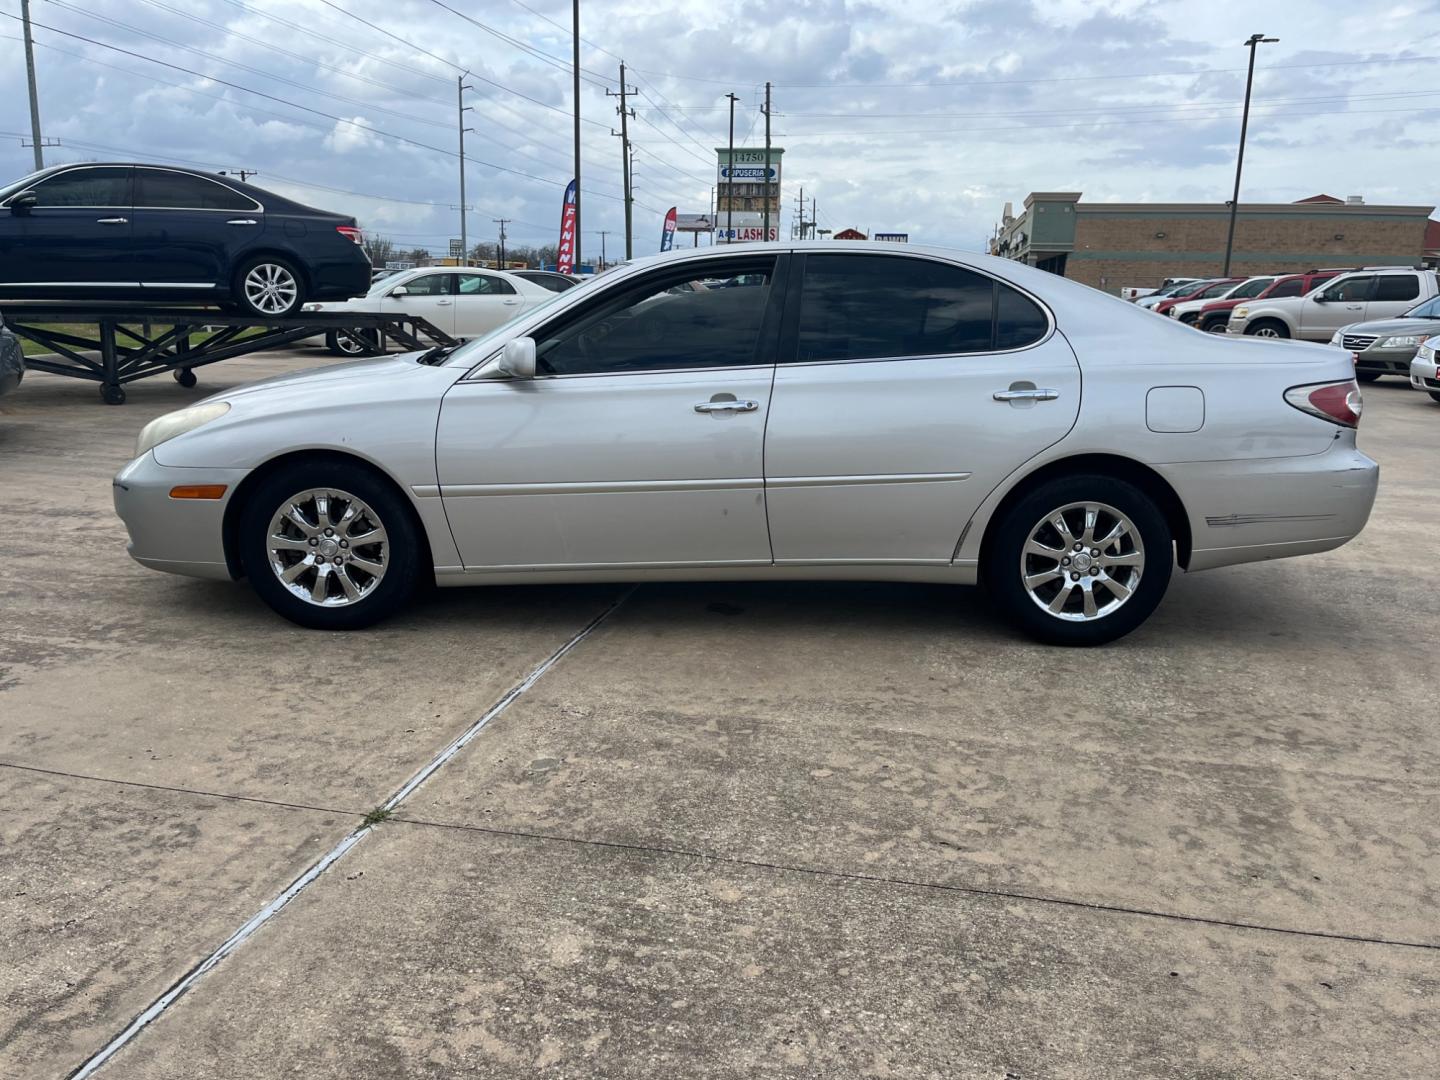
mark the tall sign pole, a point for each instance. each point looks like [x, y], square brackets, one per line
[34, 95]
[730, 175]
[460, 89]
[766, 188]
[1255, 39]
[575, 57]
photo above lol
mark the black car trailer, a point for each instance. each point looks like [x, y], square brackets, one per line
[123, 346]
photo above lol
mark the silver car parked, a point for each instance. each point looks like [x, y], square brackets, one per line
[834, 412]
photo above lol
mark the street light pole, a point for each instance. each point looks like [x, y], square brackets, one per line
[575, 69]
[463, 109]
[730, 175]
[1255, 39]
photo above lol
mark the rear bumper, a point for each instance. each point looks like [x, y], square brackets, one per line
[179, 536]
[339, 275]
[1273, 508]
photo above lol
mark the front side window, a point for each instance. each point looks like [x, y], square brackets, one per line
[1351, 289]
[1285, 288]
[1397, 287]
[1249, 289]
[666, 321]
[482, 285]
[427, 285]
[873, 307]
[102, 186]
[161, 189]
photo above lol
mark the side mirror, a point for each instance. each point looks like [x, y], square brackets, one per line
[1320, 298]
[24, 202]
[517, 359]
[399, 290]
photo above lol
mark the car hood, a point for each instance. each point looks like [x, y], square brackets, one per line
[1390, 327]
[303, 382]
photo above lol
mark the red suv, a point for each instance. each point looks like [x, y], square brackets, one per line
[1202, 290]
[1214, 317]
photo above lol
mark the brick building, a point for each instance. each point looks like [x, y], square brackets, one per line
[1112, 245]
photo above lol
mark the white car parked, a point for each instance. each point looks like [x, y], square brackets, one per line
[1189, 311]
[463, 301]
[828, 411]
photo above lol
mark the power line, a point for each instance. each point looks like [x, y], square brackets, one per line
[597, 79]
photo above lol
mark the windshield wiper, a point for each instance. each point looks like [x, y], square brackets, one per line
[431, 357]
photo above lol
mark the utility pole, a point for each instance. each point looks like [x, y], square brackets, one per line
[765, 187]
[460, 89]
[575, 71]
[814, 221]
[502, 222]
[624, 134]
[730, 174]
[1255, 39]
[603, 233]
[802, 213]
[243, 174]
[35, 138]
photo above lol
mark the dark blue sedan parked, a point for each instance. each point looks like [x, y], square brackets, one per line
[157, 233]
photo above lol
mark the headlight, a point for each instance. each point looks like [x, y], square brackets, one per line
[1335, 338]
[166, 427]
[1426, 353]
[1240, 313]
[1401, 342]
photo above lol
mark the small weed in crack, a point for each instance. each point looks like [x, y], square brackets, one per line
[376, 816]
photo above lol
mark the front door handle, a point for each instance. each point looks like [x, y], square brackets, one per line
[112, 221]
[443, 303]
[727, 406]
[511, 303]
[1032, 394]
[242, 221]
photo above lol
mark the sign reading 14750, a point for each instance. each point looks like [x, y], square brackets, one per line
[745, 157]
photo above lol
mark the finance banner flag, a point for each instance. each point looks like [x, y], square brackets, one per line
[565, 259]
[667, 234]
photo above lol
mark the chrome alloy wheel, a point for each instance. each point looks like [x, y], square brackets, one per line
[1082, 561]
[327, 547]
[1266, 331]
[271, 288]
[351, 343]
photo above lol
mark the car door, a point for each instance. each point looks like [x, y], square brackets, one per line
[190, 232]
[77, 234]
[909, 387]
[483, 302]
[1394, 295]
[1338, 304]
[638, 445]
[426, 295]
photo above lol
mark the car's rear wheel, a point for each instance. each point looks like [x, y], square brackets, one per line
[1214, 326]
[329, 545]
[270, 287]
[1272, 328]
[1367, 376]
[1189, 318]
[1081, 560]
[352, 342]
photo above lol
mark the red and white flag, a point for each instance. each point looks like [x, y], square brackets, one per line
[565, 260]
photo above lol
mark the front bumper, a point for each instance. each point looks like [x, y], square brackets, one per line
[1385, 361]
[179, 536]
[1425, 374]
[1272, 508]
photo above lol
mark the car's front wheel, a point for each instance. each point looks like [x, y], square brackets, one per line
[330, 545]
[1272, 328]
[1081, 560]
[352, 342]
[269, 286]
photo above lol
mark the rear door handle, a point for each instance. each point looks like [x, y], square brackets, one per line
[242, 221]
[1025, 395]
[112, 221]
[443, 303]
[727, 406]
[511, 303]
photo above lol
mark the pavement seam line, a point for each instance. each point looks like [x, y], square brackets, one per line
[157, 1007]
[909, 883]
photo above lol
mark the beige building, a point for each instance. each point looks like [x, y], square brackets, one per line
[1114, 245]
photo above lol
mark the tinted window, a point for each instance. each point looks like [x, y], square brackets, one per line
[102, 186]
[171, 190]
[650, 327]
[1220, 288]
[1355, 288]
[482, 285]
[1286, 288]
[427, 285]
[862, 307]
[554, 283]
[1018, 319]
[1250, 288]
[1398, 287]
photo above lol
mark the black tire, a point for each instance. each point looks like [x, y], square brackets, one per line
[185, 377]
[292, 303]
[1267, 328]
[1215, 326]
[1005, 562]
[401, 557]
[1189, 318]
[352, 342]
[1367, 376]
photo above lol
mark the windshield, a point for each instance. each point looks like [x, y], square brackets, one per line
[1253, 287]
[473, 351]
[23, 182]
[1430, 309]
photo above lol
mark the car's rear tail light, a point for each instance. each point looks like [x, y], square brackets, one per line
[1337, 402]
[350, 232]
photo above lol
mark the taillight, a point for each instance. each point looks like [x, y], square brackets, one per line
[351, 233]
[1337, 402]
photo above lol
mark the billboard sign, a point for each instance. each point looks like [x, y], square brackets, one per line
[741, 234]
[456, 250]
[892, 237]
[748, 174]
[694, 222]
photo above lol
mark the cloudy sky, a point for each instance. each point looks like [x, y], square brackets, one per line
[912, 115]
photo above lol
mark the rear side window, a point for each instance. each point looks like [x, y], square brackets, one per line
[157, 189]
[100, 186]
[482, 285]
[873, 307]
[1285, 288]
[1397, 287]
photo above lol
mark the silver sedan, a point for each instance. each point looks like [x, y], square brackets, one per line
[824, 411]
